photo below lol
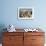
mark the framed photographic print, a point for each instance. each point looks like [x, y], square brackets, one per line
[25, 13]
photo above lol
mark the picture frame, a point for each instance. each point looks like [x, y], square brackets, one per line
[25, 13]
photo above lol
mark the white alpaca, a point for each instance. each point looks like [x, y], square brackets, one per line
[11, 28]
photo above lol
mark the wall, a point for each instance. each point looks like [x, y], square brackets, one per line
[8, 13]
